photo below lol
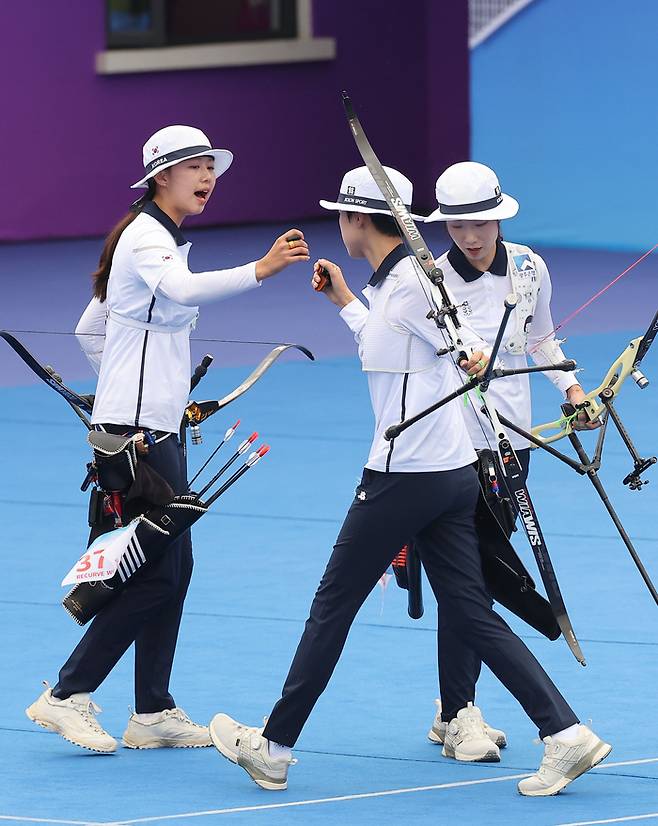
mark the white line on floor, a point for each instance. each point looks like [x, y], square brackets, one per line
[17, 819]
[612, 820]
[290, 804]
[627, 763]
[362, 796]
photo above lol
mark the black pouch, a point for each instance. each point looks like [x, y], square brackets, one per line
[95, 517]
[148, 489]
[119, 470]
[491, 477]
[115, 458]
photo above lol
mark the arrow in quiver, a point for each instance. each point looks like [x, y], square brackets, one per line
[407, 569]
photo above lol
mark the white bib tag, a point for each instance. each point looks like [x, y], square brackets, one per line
[104, 555]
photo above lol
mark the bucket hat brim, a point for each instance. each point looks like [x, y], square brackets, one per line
[223, 159]
[336, 207]
[507, 208]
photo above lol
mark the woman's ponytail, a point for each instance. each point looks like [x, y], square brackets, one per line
[102, 274]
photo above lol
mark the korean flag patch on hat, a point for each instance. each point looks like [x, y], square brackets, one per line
[174, 144]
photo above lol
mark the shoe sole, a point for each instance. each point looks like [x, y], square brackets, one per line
[165, 744]
[263, 784]
[435, 738]
[556, 788]
[57, 730]
[489, 757]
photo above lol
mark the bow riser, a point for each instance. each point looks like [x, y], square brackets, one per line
[623, 367]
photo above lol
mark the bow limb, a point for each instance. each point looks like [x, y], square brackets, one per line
[80, 404]
[197, 412]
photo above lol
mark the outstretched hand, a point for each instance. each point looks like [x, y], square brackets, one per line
[289, 248]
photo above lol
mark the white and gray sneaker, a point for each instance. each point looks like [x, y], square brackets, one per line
[564, 762]
[465, 738]
[438, 731]
[171, 728]
[73, 718]
[246, 746]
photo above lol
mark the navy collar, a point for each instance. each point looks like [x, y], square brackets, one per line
[152, 209]
[394, 257]
[468, 272]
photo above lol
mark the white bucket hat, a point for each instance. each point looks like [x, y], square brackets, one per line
[470, 191]
[174, 144]
[360, 193]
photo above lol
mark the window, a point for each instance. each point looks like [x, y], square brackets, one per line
[174, 35]
[150, 23]
[134, 23]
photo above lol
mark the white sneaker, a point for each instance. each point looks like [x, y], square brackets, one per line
[73, 718]
[246, 746]
[563, 762]
[172, 728]
[465, 738]
[438, 731]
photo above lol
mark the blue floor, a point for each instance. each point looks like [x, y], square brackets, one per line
[363, 757]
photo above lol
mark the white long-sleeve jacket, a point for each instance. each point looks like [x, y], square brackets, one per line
[152, 304]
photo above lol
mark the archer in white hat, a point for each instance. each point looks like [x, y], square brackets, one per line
[136, 333]
[480, 270]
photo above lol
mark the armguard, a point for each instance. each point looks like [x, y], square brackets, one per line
[550, 352]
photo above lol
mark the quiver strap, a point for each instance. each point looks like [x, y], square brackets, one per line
[157, 529]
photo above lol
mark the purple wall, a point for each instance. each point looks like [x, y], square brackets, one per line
[447, 65]
[71, 142]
